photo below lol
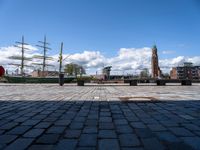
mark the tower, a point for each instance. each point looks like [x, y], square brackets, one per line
[156, 72]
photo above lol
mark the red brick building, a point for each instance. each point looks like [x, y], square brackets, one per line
[156, 72]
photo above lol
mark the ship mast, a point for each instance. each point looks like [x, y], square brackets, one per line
[44, 45]
[21, 45]
[45, 48]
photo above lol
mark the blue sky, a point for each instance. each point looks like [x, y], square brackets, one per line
[104, 25]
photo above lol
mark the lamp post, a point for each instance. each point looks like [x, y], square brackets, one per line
[61, 75]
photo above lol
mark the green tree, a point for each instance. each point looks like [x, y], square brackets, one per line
[166, 75]
[144, 73]
[74, 69]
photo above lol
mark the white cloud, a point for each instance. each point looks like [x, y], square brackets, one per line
[130, 59]
[6, 52]
[195, 60]
[89, 59]
[127, 60]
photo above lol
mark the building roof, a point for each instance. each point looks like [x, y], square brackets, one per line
[154, 47]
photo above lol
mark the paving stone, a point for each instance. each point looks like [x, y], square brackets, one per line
[76, 125]
[4, 139]
[105, 125]
[48, 119]
[4, 121]
[144, 133]
[156, 127]
[167, 136]
[69, 144]
[73, 133]
[191, 127]
[129, 140]
[169, 123]
[39, 117]
[21, 143]
[91, 122]
[179, 145]
[149, 121]
[179, 131]
[126, 148]
[2, 131]
[33, 133]
[108, 144]
[42, 147]
[197, 133]
[188, 117]
[118, 115]
[48, 139]
[86, 148]
[79, 119]
[19, 130]
[106, 134]
[124, 129]
[56, 129]
[90, 129]
[194, 142]
[46, 112]
[62, 122]
[105, 119]
[2, 146]
[8, 126]
[105, 114]
[132, 118]
[30, 114]
[93, 116]
[21, 119]
[88, 140]
[138, 125]
[120, 122]
[43, 125]
[30, 122]
[152, 144]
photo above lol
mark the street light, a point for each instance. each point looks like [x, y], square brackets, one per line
[61, 75]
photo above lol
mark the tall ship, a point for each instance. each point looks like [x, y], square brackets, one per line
[38, 64]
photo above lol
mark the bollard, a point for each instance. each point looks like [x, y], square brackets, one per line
[161, 82]
[61, 79]
[133, 82]
[186, 82]
[80, 83]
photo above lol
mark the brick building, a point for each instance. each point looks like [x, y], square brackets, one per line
[156, 72]
[186, 71]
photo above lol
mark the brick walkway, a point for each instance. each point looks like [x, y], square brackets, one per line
[99, 117]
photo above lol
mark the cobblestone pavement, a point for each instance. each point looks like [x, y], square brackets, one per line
[99, 117]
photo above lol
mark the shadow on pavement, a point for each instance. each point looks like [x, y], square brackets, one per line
[102, 125]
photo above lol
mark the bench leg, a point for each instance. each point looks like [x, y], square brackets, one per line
[186, 82]
[133, 83]
[161, 83]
